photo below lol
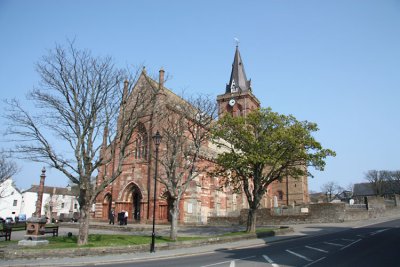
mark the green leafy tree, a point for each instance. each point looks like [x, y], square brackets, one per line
[265, 147]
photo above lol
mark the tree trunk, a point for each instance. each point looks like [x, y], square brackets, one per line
[83, 235]
[84, 225]
[251, 221]
[174, 220]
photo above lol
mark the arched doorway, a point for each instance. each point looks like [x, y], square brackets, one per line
[136, 203]
[107, 202]
[130, 199]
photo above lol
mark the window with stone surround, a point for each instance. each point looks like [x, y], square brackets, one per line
[280, 195]
[141, 143]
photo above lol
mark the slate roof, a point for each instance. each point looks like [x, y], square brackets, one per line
[344, 195]
[238, 81]
[54, 190]
[368, 189]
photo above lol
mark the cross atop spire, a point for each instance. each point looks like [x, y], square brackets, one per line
[238, 81]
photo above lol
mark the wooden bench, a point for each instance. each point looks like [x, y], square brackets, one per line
[5, 231]
[52, 229]
[19, 226]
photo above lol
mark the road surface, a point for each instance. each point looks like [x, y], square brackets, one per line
[373, 245]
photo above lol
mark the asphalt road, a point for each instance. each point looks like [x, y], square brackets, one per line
[374, 245]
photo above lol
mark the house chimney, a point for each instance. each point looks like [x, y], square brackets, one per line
[161, 78]
[125, 92]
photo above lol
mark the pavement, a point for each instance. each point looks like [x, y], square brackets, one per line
[299, 231]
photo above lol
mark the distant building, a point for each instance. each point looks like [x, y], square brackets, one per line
[343, 196]
[10, 199]
[57, 201]
[319, 197]
[385, 189]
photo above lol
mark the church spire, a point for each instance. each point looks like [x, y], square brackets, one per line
[238, 81]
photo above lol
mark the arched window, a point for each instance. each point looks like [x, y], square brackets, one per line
[141, 143]
[280, 195]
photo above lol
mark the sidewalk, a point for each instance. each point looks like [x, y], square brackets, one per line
[299, 230]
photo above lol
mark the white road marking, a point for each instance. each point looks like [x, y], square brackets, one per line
[270, 261]
[298, 255]
[379, 231]
[374, 223]
[317, 249]
[230, 262]
[351, 244]
[346, 239]
[333, 244]
[314, 262]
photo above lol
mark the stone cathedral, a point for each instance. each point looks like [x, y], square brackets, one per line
[133, 189]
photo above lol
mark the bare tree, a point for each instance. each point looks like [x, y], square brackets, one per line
[88, 105]
[331, 188]
[395, 181]
[350, 187]
[389, 182]
[8, 168]
[185, 134]
[377, 180]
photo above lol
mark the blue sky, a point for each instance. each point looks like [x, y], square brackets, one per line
[335, 63]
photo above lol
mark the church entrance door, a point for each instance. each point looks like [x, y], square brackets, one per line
[107, 206]
[136, 202]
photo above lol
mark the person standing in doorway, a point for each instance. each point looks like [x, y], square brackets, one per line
[126, 217]
[111, 217]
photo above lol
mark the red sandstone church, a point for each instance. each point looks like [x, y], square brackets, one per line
[133, 190]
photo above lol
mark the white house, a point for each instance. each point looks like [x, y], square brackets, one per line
[57, 201]
[10, 199]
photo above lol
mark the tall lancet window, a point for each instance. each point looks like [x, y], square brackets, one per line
[141, 143]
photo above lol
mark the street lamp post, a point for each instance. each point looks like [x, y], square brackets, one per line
[157, 140]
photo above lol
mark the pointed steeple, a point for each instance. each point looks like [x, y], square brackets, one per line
[238, 81]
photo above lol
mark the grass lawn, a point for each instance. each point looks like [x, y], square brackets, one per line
[101, 240]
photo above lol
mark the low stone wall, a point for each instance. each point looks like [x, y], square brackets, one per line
[317, 213]
[265, 217]
[327, 212]
[357, 215]
[224, 221]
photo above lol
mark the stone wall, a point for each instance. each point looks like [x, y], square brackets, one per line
[317, 213]
[223, 220]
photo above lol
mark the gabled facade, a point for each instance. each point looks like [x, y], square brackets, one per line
[132, 191]
[10, 199]
[57, 201]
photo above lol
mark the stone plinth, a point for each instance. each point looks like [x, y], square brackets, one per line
[35, 232]
[33, 243]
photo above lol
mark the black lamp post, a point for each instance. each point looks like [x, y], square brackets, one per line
[157, 140]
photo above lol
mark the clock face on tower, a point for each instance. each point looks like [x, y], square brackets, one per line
[232, 102]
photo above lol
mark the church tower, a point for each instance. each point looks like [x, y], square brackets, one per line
[238, 99]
